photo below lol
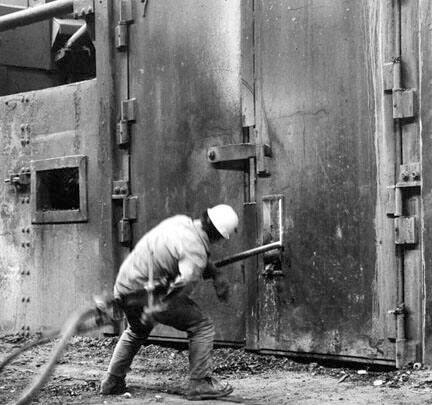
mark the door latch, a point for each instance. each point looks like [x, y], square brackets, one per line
[237, 152]
[20, 180]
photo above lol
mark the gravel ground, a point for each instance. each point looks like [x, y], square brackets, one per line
[159, 375]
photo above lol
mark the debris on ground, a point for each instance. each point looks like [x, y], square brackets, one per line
[85, 361]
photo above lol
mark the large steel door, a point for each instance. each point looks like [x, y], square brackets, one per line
[318, 101]
[184, 72]
[52, 232]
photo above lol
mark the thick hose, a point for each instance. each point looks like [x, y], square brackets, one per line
[69, 329]
[42, 340]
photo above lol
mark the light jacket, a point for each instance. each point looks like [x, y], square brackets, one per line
[177, 249]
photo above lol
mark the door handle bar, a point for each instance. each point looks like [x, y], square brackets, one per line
[259, 249]
[248, 253]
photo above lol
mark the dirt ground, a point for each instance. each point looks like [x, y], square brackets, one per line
[159, 375]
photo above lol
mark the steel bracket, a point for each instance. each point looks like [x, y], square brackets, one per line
[405, 229]
[81, 8]
[236, 152]
[403, 103]
[409, 178]
[120, 189]
[409, 175]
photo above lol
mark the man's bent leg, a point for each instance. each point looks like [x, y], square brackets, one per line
[127, 347]
[184, 314]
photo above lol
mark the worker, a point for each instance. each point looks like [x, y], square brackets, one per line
[177, 252]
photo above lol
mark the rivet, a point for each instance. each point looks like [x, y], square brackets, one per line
[22, 201]
[28, 327]
[28, 200]
[22, 127]
[212, 155]
[23, 327]
[23, 244]
[28, 230]
[28, 244]
[23, 230]
[405, 176]
[117, 190]
[22, 300]
[123, 190]
[28, 300]
[28, 272]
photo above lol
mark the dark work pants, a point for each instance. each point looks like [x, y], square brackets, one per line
[183, 314]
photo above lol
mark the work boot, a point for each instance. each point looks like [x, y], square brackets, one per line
[112, 384]
[207, 388]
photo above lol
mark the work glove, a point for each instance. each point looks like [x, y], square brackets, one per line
[222, 288]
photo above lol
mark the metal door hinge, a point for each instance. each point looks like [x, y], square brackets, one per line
[127, 115]
[403, 103]
[124, 231]
[409, 178]
[83, 7]
[405, 229]
[388, 77]
[130, 207]
[130, 204]
[121, 30]
[404, 100]
[236, 152]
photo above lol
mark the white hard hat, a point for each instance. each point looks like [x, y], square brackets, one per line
[224, 219]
